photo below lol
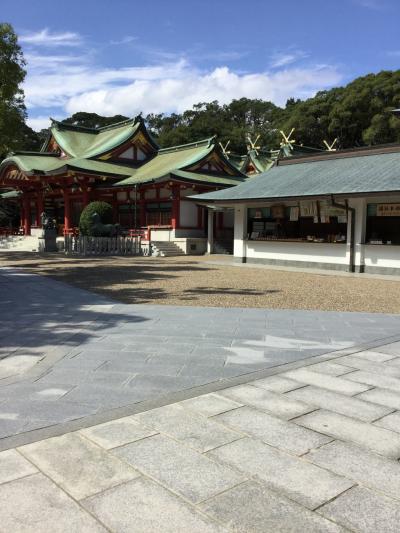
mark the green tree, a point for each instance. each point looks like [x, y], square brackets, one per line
[93, 120]
[14, 133]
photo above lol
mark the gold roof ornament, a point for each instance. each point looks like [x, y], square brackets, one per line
[330, 147]
[224, 149]
[286, 139]
[252, 145]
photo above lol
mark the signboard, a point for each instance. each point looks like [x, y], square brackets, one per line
[308, 209]
[388, 210]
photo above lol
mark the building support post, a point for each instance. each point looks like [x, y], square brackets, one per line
[67, 212]
[39, 209]
[175, 207]
[85, 196]
[210, 236]
[27, 215]
[240, 234]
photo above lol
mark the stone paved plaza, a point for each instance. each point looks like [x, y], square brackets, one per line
[311, 449]
[68, 354]
[127, 418]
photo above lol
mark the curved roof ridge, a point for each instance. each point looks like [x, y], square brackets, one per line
[204, 142]
[59, 124]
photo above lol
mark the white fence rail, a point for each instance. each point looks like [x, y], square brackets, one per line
[82, 245]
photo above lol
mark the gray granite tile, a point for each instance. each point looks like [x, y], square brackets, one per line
[117, 432]
[299, 480]
[143, 506]
[162, 458]
[362, 466]
[35, 504]
[78, 466]
[352, 406]
[273, 431]
[345, 428]
[263, 510]
[360, 509]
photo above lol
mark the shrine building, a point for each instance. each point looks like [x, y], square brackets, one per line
[122, 164]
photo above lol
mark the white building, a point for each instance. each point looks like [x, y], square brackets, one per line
[335, 210]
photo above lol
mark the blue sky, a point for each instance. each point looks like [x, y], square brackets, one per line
[128, 56]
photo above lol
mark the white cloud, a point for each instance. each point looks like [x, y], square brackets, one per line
[38, 123]
[125, 40]
[68, 82]
[180, 92]
[46, 38]
[282, 59]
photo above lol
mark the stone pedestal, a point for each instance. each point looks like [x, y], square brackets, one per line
[48, 241]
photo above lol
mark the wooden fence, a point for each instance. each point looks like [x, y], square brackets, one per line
[82, 245]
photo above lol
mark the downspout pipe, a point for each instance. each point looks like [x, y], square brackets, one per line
[352, 210]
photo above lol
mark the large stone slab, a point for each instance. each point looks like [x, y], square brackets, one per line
[276, 404]
[142, 506]
[274, 431]
[391, 422]
[184, 471]
[382, 397]
[339, 403]
[210, 404]
[78, 466]
[332, 368]
[360, 509]
[35, 504]
[263, 511]
[376, 380]
[362, 466]
[299, 480]
[188, 427]
[335, 384]
[348, 429]
[277, 384]
[117, 432]
[370, 366]
[371, 355]
[14, 466]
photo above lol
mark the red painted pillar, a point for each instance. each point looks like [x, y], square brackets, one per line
[85, 196]
[175, 207]
[27, 216]
[67, 211]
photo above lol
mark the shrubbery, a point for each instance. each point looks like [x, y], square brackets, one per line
[103, 209]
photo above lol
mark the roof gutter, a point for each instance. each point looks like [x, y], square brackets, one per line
[352, 210]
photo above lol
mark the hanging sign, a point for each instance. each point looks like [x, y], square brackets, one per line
[388, 210]
[294, 214]
[308, 209]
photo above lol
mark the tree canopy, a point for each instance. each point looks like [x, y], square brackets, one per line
[14, 132]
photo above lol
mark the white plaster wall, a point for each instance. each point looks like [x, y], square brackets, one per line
[298, 251]
[239, 231]
[382, 255]
[161, 234]
[188, 214]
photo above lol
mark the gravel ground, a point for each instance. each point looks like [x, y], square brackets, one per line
[196, 281]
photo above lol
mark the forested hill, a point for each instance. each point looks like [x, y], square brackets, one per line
[357, 114]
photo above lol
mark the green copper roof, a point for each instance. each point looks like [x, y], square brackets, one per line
[82, 142]
[208, 178]
[326, 174]
[44, 164]
[30, 163]
[178, 158]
